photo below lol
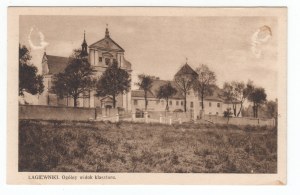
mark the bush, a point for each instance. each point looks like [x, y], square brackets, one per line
[250, 128]
[74, 146]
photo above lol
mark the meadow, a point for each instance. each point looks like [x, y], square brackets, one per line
[72, 146]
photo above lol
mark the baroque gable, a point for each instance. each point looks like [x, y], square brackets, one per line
[107, 44]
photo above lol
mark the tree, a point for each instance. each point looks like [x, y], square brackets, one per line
[184, 79]
[77, 79]
[29, 80]
[227, 114]
[165, 92]
[145, 84]
[114, 81]
[272, 108]
[244, 94]
[237, 92]
[205, 82]
[258, 97]
[228, 94]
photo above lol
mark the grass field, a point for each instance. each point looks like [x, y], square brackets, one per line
[131, 147]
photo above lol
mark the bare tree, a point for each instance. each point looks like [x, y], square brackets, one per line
[184, 79]
[145, 84]
[205, 82]
[228, 93]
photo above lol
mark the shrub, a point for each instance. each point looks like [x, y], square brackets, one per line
[134, 147]
[250, 128]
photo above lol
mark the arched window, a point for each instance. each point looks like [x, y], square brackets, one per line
[107, 61]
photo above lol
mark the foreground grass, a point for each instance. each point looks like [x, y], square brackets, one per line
[130, 147]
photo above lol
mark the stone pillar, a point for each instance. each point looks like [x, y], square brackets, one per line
[170, 120]
[133, 116]
[160, 119]
[117, 117]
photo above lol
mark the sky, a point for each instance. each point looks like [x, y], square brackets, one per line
[235, 48]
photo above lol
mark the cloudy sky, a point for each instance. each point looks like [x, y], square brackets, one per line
[235, 48]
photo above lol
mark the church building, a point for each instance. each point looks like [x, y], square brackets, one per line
[100, 55]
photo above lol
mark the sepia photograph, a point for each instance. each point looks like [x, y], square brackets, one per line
[109, 93]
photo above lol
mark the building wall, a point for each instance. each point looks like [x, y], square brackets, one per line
[213, 107]
[55, 113]
[155, 104]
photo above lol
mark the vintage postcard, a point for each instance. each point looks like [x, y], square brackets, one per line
[147, 95]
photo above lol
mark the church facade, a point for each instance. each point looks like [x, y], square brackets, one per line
[100, 55]
[103, 53]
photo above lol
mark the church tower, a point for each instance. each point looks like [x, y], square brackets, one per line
[84, 45]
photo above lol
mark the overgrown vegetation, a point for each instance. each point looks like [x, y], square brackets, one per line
[66, 146]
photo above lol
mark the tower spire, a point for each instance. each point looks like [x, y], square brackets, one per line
[84, 46]
[106, 31]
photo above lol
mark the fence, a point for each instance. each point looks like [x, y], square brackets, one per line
[175, 116]
[240, 120]
[82, 114]
[162, 117]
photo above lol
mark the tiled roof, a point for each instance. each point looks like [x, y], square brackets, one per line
[56, 64]
[154, 90]
[157, 83]
[186, 69]
[140, 93]
[216, 96]
[127, 64]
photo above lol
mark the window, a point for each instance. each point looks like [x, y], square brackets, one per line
[188, 93]
[218, 105]
[192, 104]
[181, 103]
[115, 61]
[107, 61]
[209, 104]
[135, 102]
[170, 102]
[209, 113]
[177, 103]
[100, 59]
[217, 113]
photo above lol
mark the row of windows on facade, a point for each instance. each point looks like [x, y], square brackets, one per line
[135, 102]
[107, 61]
